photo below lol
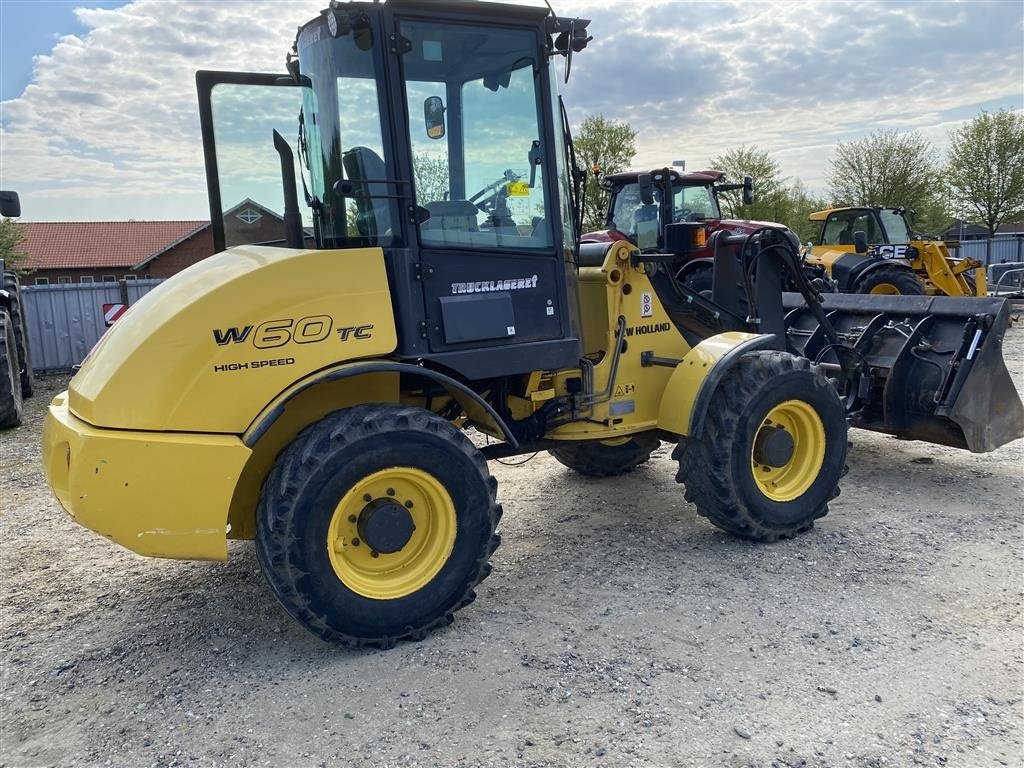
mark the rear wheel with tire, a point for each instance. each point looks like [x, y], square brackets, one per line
[376, 523]
[772, 449]
[890, 281]
[10, 383]
[606, 458]
[21, 342]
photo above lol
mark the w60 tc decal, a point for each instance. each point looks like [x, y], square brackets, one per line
[277, 333]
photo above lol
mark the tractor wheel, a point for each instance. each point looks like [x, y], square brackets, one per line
[376, 523]
[772, 449]
[605, 459]
[13, 288]
[10, 385]
[890, 281]
[700, 281]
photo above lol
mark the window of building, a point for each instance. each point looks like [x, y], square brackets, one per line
[130, 277]
[42, 281]
[109, 279]
[63, 280]
[88, 279]
[249, 215]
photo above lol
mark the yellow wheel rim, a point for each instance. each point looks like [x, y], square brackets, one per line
[617, 441]
[798, 473]
[388, 576]
[885, 289]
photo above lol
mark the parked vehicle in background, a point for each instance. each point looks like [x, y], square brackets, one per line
[16, 380]
[873, 250]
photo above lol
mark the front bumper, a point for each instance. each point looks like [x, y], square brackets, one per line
[162, 494]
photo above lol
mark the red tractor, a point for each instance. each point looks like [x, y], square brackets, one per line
[635, 202]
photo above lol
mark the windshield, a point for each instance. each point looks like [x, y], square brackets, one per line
[472, 95]
[640, 222]
[350, 172]
[895, 226]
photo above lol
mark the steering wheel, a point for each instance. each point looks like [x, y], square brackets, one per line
[680, 214]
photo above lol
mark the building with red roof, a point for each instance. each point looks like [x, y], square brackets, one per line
[95, 251]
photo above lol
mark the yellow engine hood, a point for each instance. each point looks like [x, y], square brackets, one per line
[206, 350]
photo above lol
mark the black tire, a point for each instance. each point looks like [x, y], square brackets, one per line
[28, 380]
[600, 460]
[716, 466]
[10, 385]
[314, 473]
[891, 280]
[700, 281]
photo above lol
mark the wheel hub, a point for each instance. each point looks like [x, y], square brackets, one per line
[385, 526]
[773, 446]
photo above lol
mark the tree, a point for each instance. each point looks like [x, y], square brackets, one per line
[769, 187]
[610, 145]
[11, 235]
[430, 174]
[802, 204]
[986, 167]
[885, 168]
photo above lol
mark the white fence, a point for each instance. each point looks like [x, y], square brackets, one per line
[65, 321]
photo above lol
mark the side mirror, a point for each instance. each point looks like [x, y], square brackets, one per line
[433, 117]
[860, 242]
[646, 188]
[10, 205]
[748, 190]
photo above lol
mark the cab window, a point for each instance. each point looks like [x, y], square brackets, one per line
[840, 226]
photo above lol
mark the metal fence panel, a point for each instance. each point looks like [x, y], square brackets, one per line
[998, 250]
[65, 321]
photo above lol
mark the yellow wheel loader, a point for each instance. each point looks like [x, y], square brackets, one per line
[872, 250]
[314, 394]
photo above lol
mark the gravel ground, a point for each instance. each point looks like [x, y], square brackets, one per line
[618, 629]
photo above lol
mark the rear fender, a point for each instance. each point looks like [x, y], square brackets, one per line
[685, 400]
[341, 386]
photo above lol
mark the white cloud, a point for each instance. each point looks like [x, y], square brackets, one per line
[108, 127]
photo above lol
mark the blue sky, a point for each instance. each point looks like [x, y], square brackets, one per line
[29, 28]
[99, 119]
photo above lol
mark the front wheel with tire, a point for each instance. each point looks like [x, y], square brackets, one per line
[700, 280]
[606, 458]
[10, 382]
[376, 523]
[772, 449]
[890, 281]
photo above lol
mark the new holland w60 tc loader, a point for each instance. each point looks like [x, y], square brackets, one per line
[313, 395]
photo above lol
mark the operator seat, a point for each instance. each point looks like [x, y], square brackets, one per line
[449, 216]
[362, 164]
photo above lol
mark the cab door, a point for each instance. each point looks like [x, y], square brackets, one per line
[238, 114]
[479, 133]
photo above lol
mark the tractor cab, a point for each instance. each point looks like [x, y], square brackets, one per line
[881, 226]
[432, 131]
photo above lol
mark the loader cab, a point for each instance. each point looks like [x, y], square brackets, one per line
[433, 131]
[882, 226]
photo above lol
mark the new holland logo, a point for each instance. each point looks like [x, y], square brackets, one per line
[489, 286]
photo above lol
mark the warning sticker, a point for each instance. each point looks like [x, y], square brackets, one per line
[517, 189]
[646, 304]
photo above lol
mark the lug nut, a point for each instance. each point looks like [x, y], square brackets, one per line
[355, 542]
[374, 554]
[367, 498]
[408, 505]
[391, 491]
[352, 518]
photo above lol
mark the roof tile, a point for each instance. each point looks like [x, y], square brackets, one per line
[89, 244]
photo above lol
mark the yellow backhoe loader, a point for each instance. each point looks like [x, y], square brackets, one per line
[873, 250]
[314, 394]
